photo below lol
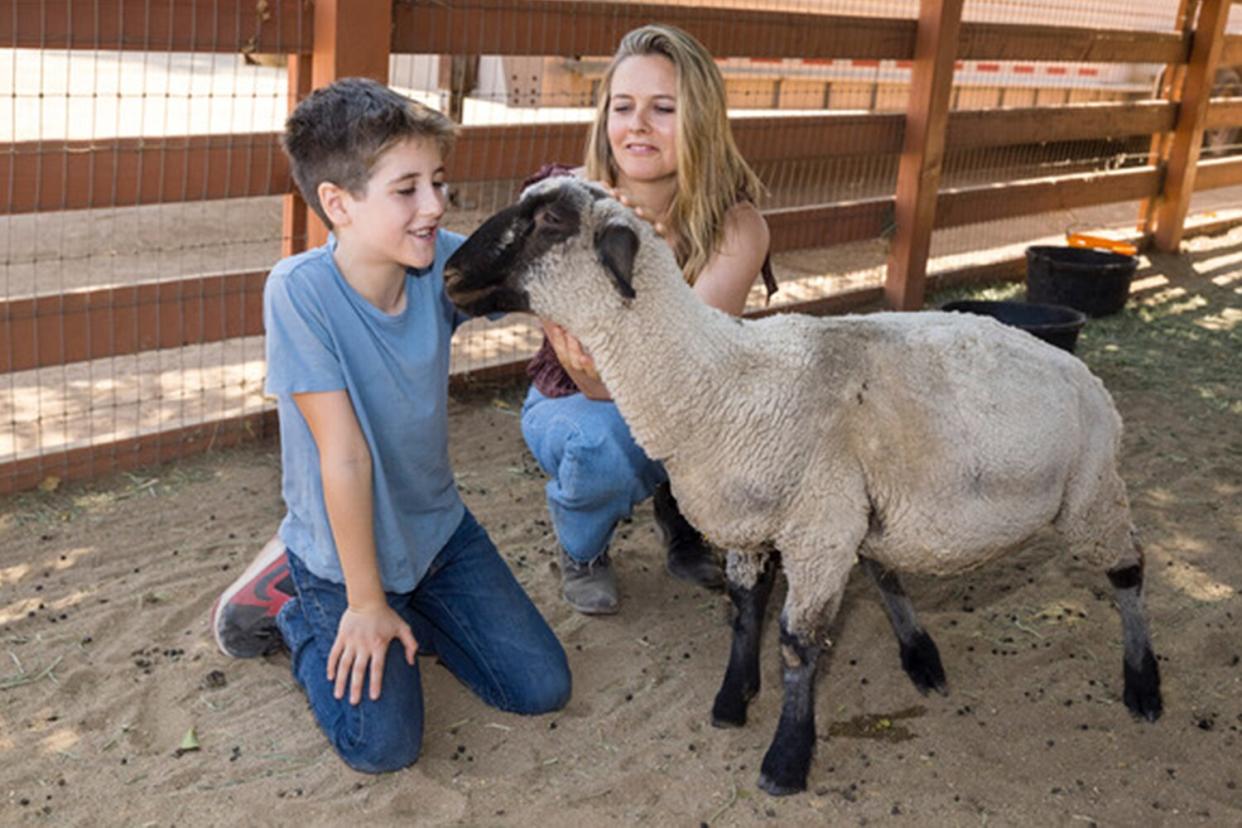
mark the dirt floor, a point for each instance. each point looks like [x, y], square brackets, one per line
[115, 707]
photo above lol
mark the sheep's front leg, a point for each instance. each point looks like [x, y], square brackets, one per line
[816, 587]
[919, 656]
[750, 579]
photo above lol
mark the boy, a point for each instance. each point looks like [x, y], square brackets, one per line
[383, 557]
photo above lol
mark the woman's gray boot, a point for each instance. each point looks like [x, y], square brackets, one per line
[590, 588]
[690, 557]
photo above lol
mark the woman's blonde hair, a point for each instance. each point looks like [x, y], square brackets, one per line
[712, 176]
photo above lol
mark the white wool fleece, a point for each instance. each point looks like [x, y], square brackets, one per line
[929, 441]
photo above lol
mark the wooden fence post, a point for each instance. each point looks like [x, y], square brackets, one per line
[922, 154]
[1173, 202]
[1168, 88]
[349, 42]
[293, 226]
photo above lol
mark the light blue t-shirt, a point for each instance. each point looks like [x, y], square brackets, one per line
[323, 336]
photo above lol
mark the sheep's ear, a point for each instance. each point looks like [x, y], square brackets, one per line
[616, 245]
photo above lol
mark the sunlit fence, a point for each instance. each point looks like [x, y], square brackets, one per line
[145, 195]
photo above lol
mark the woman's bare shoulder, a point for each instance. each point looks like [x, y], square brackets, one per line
[745, 227]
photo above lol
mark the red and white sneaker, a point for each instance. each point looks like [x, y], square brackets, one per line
[243, 619]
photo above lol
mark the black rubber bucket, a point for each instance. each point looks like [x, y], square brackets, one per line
[1055, 324]
[1096, 282]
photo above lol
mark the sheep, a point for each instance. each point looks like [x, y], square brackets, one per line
[922, 442]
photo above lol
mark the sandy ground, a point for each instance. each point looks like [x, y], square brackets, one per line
[107, 664]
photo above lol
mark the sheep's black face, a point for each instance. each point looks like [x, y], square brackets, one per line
[484, 275]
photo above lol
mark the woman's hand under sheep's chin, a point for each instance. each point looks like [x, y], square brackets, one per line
[641, 212]
[576, 361]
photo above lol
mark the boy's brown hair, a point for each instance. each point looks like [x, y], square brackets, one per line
[339, 132]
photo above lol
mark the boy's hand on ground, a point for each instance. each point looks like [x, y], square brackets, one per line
[362, 640]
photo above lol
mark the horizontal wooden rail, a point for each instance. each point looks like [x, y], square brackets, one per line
[277, 26]
[969, 205]
[1018, 41]
[92, 324]
[1215, 173]
[977, 129]
[44, 176]
[1224, 112]
[1231, 51]
[553, 27]
[41, 176]
[88, 462]
[569, 28]
[71, 327]
[795, 228]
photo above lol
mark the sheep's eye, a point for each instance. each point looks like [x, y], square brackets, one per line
[547, 217]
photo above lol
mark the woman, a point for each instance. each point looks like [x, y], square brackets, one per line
[661, 140]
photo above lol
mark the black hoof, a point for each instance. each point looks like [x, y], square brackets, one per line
[921, 661]
[1142, 693]
[729, 710]
[784, 771]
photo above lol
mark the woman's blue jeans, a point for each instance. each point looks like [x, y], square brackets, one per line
[598, 473]
[468, 610]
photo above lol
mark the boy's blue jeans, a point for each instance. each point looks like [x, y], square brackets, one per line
[598, 473]
[468, 610]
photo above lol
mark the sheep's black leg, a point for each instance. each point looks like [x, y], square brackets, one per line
[741, 679]
[919, 656]
[788, 758]
[1142, 675]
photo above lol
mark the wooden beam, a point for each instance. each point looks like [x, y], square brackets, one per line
[93, 324]
[82, 325]
[42, 176]
[351, 40]
[240, 26]
[1223, 112]
[549, 27]
[922, 155]
[1218, 172]
[1075, 44]
[980, 128]
[1231, 51]
[294, 213]
[1169, 89]
[89, 462]
[969, 205]
[1179, 183]
[568, 28]
[795, 228]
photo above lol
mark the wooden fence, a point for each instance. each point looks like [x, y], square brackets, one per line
[46, 176]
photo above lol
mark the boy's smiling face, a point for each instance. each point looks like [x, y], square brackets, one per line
[396, 218]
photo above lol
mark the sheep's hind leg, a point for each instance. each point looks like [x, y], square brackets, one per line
[1142, 675]
[919, 656]
[741, 679]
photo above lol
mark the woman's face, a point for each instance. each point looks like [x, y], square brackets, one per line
[642, 118]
